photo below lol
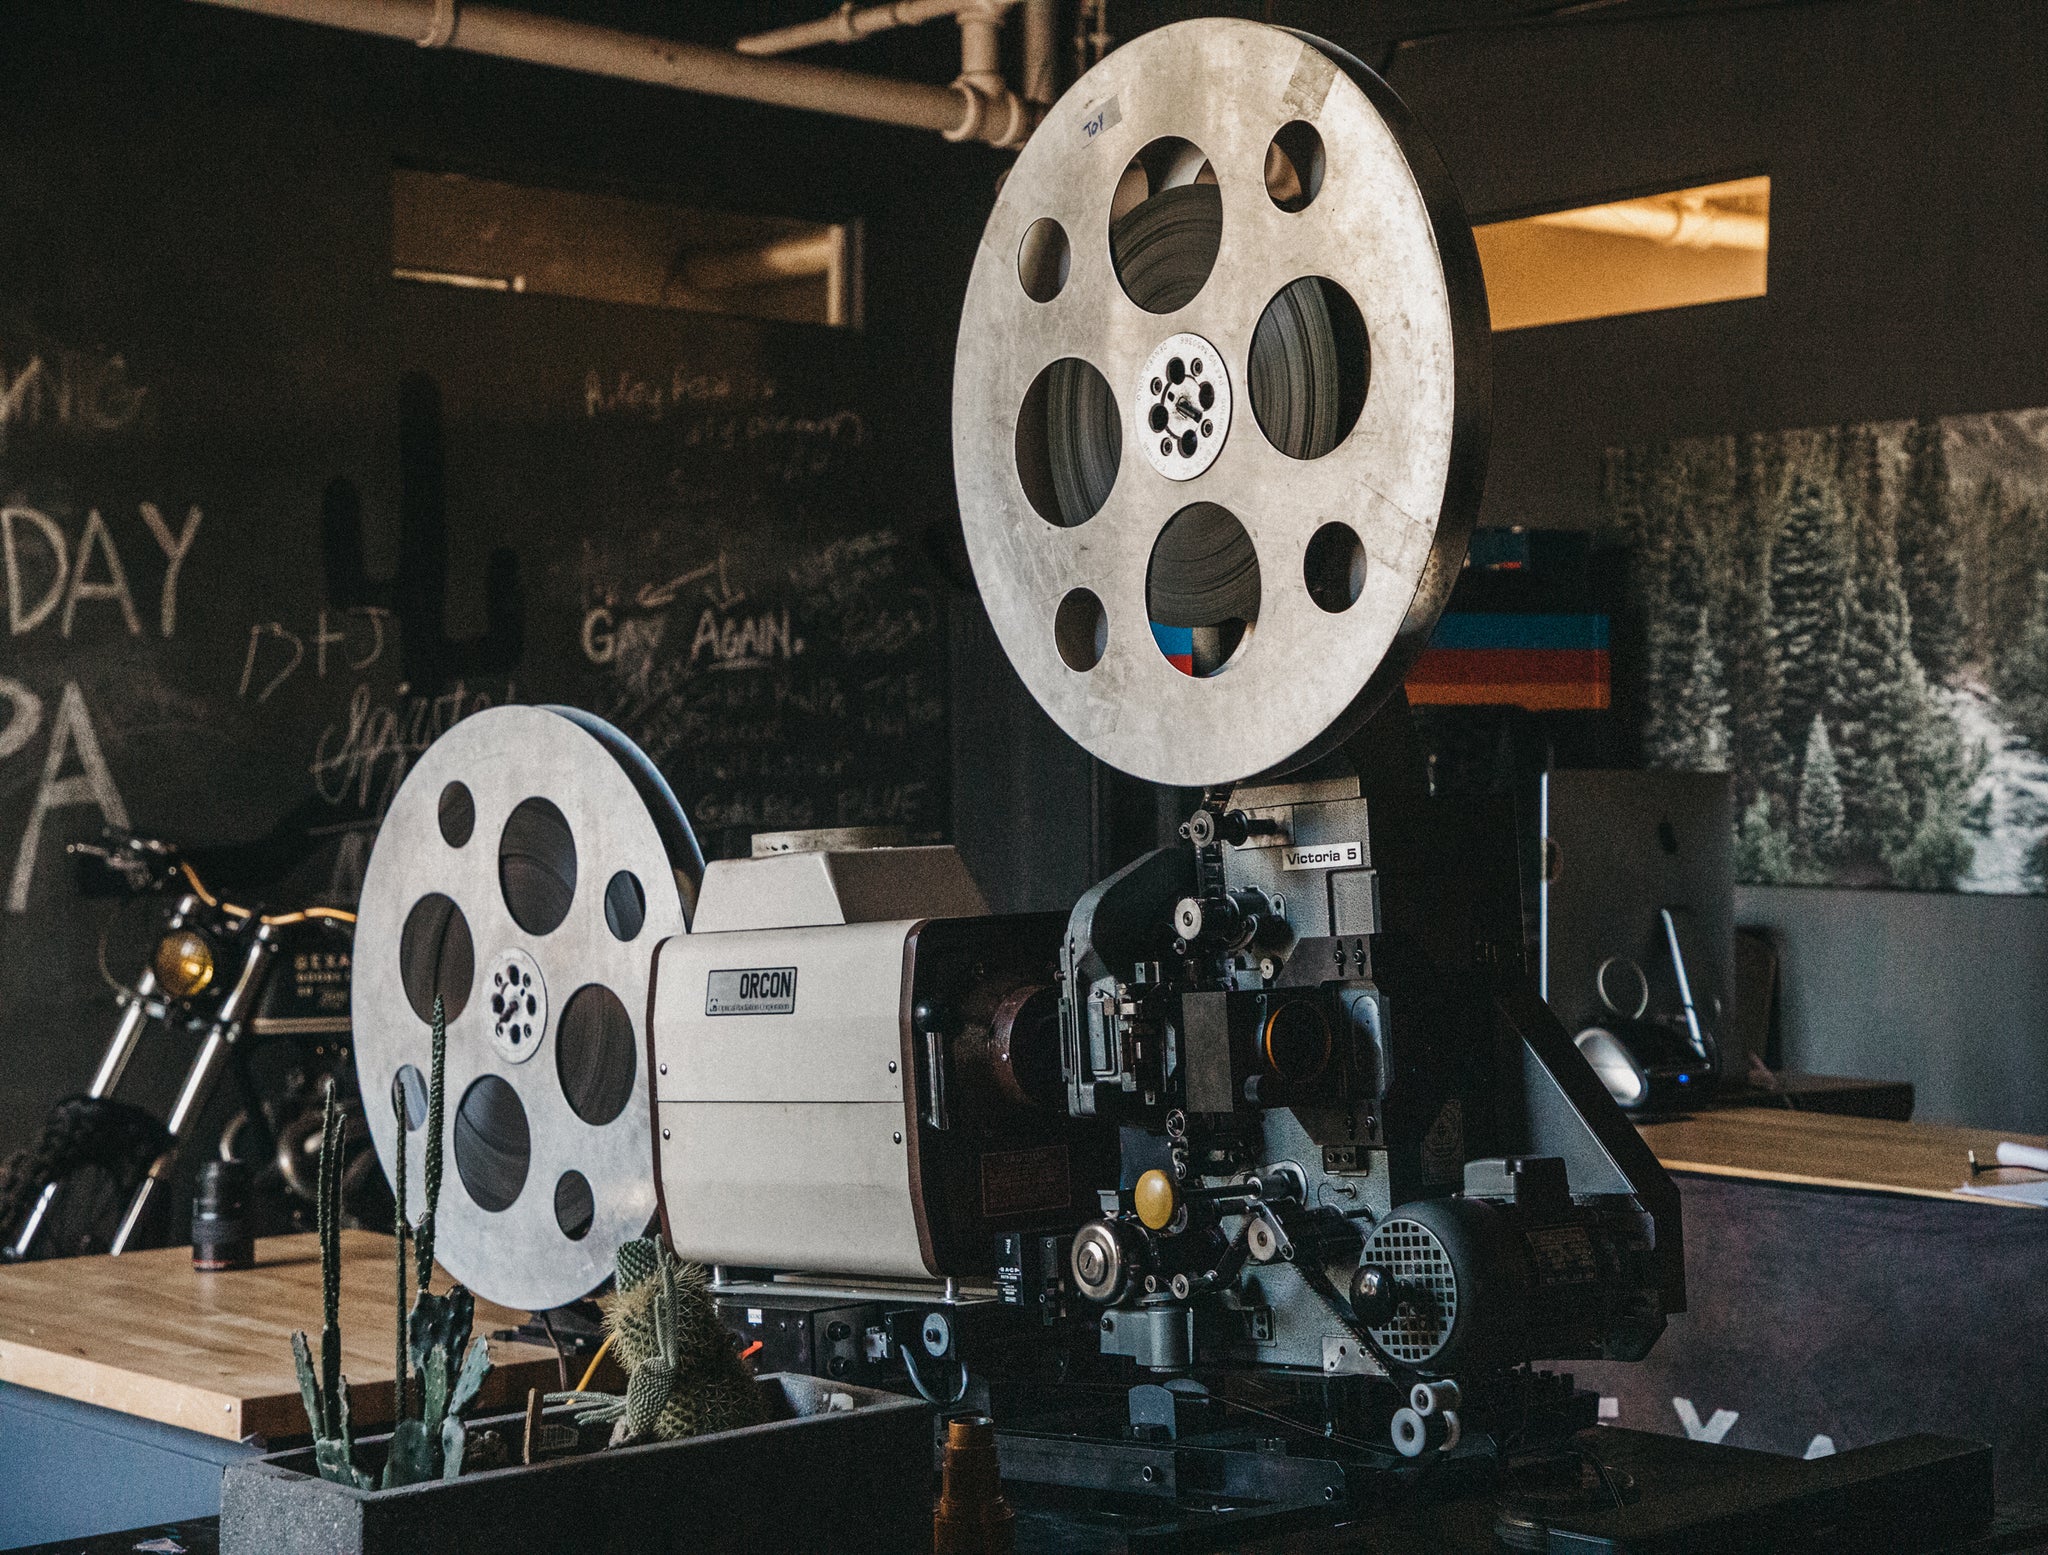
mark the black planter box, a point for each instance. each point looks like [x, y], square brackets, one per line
[835, 1468]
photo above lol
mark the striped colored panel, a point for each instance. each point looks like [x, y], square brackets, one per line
[1178, 644]
[1547, 663]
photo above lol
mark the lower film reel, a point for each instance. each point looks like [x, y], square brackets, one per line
[529, 865]
[1220, 402]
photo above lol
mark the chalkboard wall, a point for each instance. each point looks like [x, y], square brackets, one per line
[273, 520]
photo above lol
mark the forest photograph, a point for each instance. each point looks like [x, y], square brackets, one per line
[1853, 621]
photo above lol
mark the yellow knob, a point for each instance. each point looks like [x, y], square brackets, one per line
[1157, 1200]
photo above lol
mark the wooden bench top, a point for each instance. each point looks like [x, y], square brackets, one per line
[1822, 1150]
[149, 1336]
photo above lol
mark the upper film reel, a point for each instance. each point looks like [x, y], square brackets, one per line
[1220, 402]
[529, 865]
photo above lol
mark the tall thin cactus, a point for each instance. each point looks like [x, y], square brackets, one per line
[401, 1379]
[326, 1395]
[436, 1088]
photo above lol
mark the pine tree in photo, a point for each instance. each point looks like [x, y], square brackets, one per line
[1807, 587]
[2021, 677]
[1817, 830]
[1756, 753]
[1930, 554]
[1870, 712]
[1763, 852]
[2009, 583]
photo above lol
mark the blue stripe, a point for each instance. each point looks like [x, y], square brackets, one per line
[1492, 630]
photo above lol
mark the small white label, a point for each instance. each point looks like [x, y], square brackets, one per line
[1324, 855]
[761, 990]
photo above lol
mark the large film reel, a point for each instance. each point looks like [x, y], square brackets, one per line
[1220, 403]
[529, 865]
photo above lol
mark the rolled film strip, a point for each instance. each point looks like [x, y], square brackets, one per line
[529, 865]
[1220, 402]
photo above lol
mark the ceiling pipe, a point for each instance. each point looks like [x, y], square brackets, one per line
[959, 111]
[850, 24]
[1041, 53]
[1668, 222]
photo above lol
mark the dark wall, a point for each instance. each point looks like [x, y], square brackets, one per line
[206, 198]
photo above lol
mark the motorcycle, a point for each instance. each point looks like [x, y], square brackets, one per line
[259, 998]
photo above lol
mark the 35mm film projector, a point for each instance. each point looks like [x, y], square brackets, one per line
[1259, 1180]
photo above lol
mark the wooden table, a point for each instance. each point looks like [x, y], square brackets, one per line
[148, 1336]
[1818, 1150]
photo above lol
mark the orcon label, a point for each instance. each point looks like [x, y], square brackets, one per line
[760, 990]
[1323, 855]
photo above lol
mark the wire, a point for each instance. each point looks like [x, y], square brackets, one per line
[596, 1360]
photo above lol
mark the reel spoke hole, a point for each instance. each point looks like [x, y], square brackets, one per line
[457, 814]
[436, 956]
[1069, 442]
[409, 1096]
[575, 1205]
[1334, 567]
[493, 1144]
[1311, 364]
[1043, 260]
[595, 1057]
[1080, 629]
[1165, 225]
[625, 905]
[537, 866]
[1294, 166]
[1202, 588]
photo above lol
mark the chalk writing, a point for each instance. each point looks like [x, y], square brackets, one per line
[361, 760]
[71, 736]
[649, 399]
[359, 633]
[69, 391]
[49, 576]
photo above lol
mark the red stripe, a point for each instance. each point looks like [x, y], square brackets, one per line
[1520, 666]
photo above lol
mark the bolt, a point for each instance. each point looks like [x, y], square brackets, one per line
[892, 1066]
[1148, 1473]
[664, 1133]
[1166, 445]
[1329, 1492]
[1158, 387]
[664, 1068]
[897, 1137]
[1195, 367]
[1208, 429]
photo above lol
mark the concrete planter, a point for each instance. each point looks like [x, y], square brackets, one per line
[835, 1468]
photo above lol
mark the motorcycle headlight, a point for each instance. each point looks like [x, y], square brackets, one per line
[184, 963]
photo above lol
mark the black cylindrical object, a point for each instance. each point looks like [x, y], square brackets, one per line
[221, 1238]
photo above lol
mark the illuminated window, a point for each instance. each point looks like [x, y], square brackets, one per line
[450, 230]
[1675, 250]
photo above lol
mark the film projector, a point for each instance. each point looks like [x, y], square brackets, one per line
[1264, 1166]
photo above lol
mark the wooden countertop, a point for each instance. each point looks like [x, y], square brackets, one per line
[147, 1335]
[1822, 1150]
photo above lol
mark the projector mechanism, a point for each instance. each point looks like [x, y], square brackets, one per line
[1269, 1132]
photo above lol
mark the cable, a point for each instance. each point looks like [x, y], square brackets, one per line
[596, 1360]
[924, 1392]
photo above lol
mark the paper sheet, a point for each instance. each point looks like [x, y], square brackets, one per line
[2017, 1192]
